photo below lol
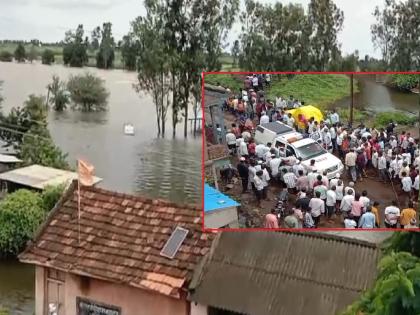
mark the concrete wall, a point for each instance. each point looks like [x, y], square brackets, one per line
[218, 218]
[132, 301]
[198, 309]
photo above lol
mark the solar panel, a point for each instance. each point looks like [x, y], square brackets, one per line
[174, 242]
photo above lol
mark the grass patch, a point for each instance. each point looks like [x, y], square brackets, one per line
[226, 80]
[359, 116]
[319, 90]
[383, 119]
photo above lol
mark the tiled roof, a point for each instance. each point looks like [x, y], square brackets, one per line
[121, 239]
[269, 273]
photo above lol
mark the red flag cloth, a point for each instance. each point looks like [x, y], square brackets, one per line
[85, 171]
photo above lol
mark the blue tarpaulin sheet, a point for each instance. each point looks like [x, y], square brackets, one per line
[215, 200]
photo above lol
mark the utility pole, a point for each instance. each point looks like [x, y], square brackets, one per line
[352, 100]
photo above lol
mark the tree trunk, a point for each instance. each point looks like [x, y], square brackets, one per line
[186, 120]
[174, 107]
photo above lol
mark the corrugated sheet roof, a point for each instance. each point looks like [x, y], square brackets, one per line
[38, 176]
[5, 158]
[215, 200]
[267, 273]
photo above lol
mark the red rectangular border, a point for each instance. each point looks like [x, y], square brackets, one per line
[206, 230]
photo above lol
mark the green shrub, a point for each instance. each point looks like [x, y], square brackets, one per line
[229, 81]
[21, 213]
[6, 56]
[48, 57]
[358, 115]
[4, 311]
[405, 81]
[50, 196]
[384, 118]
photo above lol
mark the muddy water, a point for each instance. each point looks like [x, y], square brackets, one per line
[141, 164]
[378, 97]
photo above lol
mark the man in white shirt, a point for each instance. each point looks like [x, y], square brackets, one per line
[243, 148]
[312, 178]
[259, 186]
[382, 167]
[416, 185]
[327, 140]
[289, 179]
[392, 214]
[331, 201]
[265, 119]
[350, 163]
[349, 222]
[290, 120]
[406, 183]
[348, 188]
[317, 208]
[335, 118]
[255, 82]
[231, 141]
[345, 205]
[298, 167]
[334, 181]
[265, 178]
[364, 199]
[260, 150]
[274, 166]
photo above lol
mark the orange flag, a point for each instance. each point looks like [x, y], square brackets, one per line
[85, 171]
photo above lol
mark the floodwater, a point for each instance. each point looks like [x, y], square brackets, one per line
[140, 164]
[379, 97]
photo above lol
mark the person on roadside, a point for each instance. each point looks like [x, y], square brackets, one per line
[331, 202]
[265, 178]
[271, 221]
[382, 169]
[231, 141]
[375, 211]
[302, 181]
[407, 215]
[289, 179]
[412, 225]
[317, 208]
[349, 222]
[308, 221]
[406, 184]
[367, 220]
[339, 191]
[350, 163]
[243, 173]
[291, 221]
[346, 203]
[364, 199]
[350, 187]
[259, 187]
[392, 215]
[321, 188]
[357, 208]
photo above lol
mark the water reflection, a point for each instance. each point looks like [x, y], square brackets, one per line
[170, 169]
[17, 287]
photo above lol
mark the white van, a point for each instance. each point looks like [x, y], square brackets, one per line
[308, 150]
[268, 132]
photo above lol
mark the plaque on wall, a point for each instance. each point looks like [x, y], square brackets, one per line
[89, 307]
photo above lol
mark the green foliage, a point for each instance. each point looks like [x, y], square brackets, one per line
[38, 148]
[230, 81]
[50, 196]
[6, 56]
[397, 288]
[4, 311]
[396, 34]
[74, 50]
[314, 89]
[32, 54]
[59, 97]
[405, 81]
[48, 57]
[129, 50]
[20, 53]
[105, 56]
[283, 37]
[384, 118]
[20, 215]
[88, 92]
[358, 115]
[32, 113]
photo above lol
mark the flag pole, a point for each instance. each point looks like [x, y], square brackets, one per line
[78, 207]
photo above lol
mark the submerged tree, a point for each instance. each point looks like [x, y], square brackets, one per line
[20, 53]
[48, 57]
[74, 50]
[105, 55]
[59, 98]
[88, 92]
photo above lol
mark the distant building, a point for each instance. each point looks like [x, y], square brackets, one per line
[135, 256]
[220, 211]
[283, 273]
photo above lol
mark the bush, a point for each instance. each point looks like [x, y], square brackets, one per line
[88, 92]
[20, 53]
[6, 56]
[405, 81]
[20, 215]
[384, 118]
[50, 196]
[229, 81]
[48, 57]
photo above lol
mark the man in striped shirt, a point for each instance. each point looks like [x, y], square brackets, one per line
[289, 178]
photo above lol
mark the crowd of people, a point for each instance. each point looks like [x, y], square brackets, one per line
[380, 153]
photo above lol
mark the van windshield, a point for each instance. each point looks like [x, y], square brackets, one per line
[310, 151]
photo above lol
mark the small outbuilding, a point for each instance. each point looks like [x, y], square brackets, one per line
[37, 177]
[220, 211]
